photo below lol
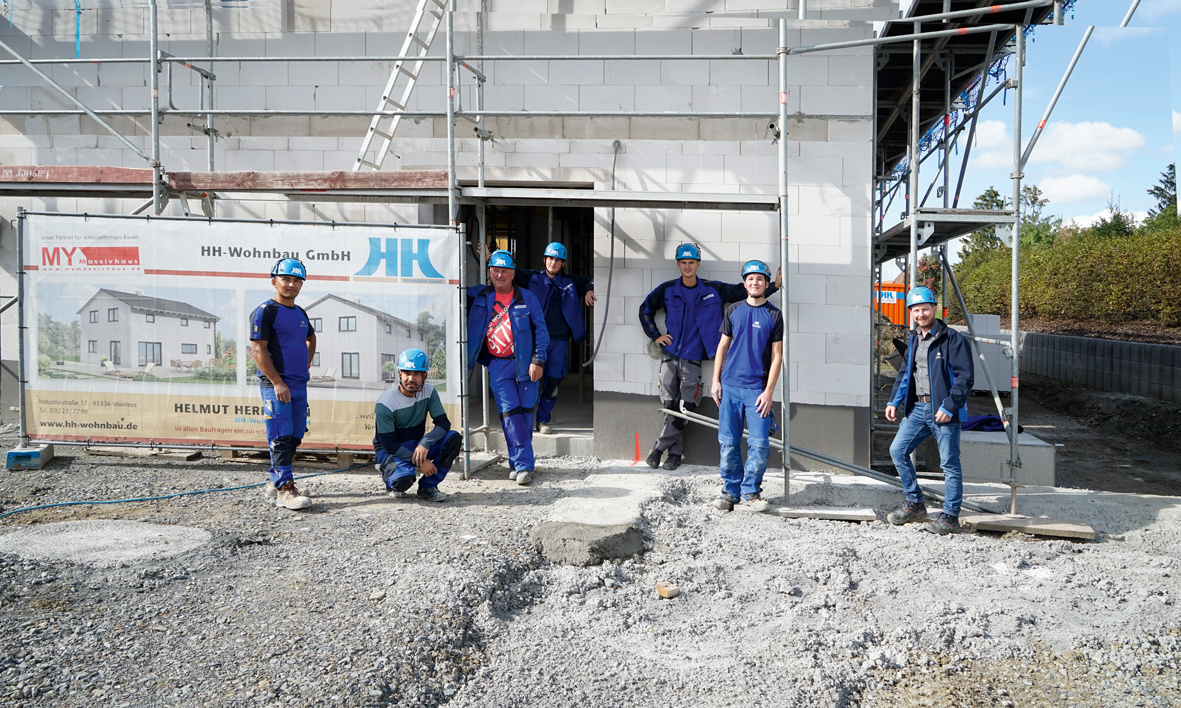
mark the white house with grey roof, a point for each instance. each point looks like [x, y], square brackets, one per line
[133, 329]
[357, 340]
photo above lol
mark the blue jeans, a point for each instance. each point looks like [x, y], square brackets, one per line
[912, 431]
[514, 401]
[738, 407]
[286, 424]
[555, 370]
[394, 468]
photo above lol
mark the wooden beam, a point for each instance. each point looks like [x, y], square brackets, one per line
[306, 181]
[1036, 526]
[74, 174]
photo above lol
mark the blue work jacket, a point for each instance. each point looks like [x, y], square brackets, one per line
[570, 288]
[684, 306]
[530, 337]
[949, 361]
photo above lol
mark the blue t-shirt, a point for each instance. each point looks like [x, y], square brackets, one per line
[753, 331]
[286, 331]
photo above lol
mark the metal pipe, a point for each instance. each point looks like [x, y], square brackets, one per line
[900, 38]
[470, 115]
[976, 12]
[1131, 11]
[453, 222]
[480, 128]
[913, 161]
[826, 459]
[1057, 13]
[20, 324]
[157, 173]
[1014, 333]
[1037, 133]
[83, 110]
[803, 14]
[785, 300]
[207, 84]
[203, 220]
[975, 117]
[211, 447]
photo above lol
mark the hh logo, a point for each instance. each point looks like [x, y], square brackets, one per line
[408, 251]
[90, 258]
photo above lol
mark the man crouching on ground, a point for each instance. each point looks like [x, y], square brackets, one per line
[931, 392]
[402, 445]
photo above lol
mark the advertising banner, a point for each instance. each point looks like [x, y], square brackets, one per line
[138, 329]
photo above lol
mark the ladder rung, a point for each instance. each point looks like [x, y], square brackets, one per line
[392, 102]
[387, 136]
[440, 3]
[414, 38]
[374, 165]
[413, 76]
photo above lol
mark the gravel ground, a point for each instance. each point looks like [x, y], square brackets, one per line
[369, 601]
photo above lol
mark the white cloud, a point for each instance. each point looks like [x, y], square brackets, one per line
[994, 145]
[1176, 122]
[1085, 220]
[1156, 9]
[1075, 188]
[1093, 147]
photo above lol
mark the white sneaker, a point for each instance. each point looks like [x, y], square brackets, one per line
[395, 494]
[269, 490]
[512, 474]
[545, 429]
[289, 497]
[524, 476]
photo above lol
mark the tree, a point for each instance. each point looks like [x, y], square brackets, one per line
[436, 337]
[1163, 217]
[984, 240]
[1037, 229]
[1119, 224]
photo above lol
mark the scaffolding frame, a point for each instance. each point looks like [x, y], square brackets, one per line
[480, 195]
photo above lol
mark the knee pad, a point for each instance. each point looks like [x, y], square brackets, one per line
[680, 423]
[401, 484]
[690, 406]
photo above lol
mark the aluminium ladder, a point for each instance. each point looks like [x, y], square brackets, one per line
[405, 74]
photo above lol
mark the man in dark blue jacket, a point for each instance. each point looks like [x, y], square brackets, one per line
[693, 317]
[931, 392]
[506, 333]
[561, 297]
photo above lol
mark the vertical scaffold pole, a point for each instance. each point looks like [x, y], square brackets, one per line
[785, 371]
[1014, 332]
[207, 83]
[453, 221]
[20, 323]
[913, 161]
[154, 68]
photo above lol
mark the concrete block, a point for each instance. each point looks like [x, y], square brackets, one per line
[807, 347]
[754, 72]
[715, 98]
[752, 171]
[765, 99]
[356, 17]
[119, 75]
[732, 129]
[836, 100]
[551, 98]
[576, 73]
[631, 72]
[606, 98]
[290, 44]
[28, 458]
[834, 378]
[851, 70]
[249, 160]
[618, 43]
[847, 349]
[525, 73]
[847, 290]
[805, 70]
[650, 98]
[835, 319]
[315, 74]
[986, 455]
[298, 160]
[258, 73]
[680, 20]
[676, 72]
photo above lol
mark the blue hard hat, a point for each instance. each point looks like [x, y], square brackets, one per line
[556, 250]
[920, 295]
[688, 250]
[289, 266]
[413, 360]
[501, 259]
[756, 267]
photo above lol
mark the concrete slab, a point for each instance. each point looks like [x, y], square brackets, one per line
[986, 456]
[28, 458]
[103, 543]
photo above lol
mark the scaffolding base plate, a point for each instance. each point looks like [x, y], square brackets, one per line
[829, 513]
[1033, 525]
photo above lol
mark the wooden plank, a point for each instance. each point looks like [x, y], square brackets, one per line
[1033, 525]
[75, 174]
[830, 513]
[310, 181]
[186, 455]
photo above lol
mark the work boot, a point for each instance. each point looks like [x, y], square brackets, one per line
[512, 474]
[450, 451]
[395, 494]
[288, 497]
[757, 503]
[544, 428]
[524, 476]
[908, 513]
[944, 524]
[724, 503]
[654, 458]
[431, 494]
[270, 491]
[673, 461]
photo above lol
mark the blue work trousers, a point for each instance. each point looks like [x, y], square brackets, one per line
[556, 367]
[286, 424]
[738, 409]
[912, 431]
[515, 401]
[404, 468]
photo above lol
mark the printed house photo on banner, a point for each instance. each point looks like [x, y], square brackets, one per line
[135, 336]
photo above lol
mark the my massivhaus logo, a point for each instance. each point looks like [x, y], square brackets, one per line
[90, 258]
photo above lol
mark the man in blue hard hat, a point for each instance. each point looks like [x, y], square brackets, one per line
[693, 318]
[283, 343]
[931, 393]
[402, 446]
[561, 297]
[746, 369]
[506, 333]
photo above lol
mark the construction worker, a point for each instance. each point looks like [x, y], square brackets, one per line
[283, 343]
[561, 297]
[931, 392]
[506, 333]
[749, 359]
[402, 445]
[693, 317]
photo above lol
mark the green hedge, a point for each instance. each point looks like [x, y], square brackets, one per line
[1134, 277]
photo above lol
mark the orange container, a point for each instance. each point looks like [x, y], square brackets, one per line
[890, 300]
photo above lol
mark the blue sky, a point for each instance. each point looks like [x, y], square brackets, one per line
[1113, 130]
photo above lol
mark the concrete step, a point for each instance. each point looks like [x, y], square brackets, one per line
[575, 442]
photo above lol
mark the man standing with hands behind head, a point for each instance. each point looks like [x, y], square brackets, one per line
[283, 343]
[931, 392]
[506, 333]
[750, 356]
